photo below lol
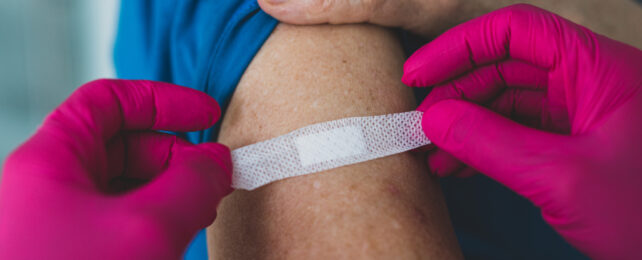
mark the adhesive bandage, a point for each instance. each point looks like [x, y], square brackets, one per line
[324, 146]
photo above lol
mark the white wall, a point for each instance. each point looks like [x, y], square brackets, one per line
[47, 49]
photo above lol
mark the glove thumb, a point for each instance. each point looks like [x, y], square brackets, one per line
[494, 145]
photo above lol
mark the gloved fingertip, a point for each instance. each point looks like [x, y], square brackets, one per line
[436, 120]
[406, 80]
[409, 77]
[223, 158]
[418, 74]
[446, 121]
[213, 110]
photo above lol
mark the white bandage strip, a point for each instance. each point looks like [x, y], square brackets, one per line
[325, 146]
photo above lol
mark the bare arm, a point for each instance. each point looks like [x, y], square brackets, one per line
[386, 208]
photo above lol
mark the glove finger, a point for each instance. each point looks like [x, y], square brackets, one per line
[487, 82]
[496, 146]
[520, 32]
[187, 192]
[79, 129]
[102, 108]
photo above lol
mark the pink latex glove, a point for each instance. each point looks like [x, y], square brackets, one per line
[64, 194]
[579, 159]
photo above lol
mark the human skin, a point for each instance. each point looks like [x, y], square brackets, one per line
[617, 19]
[389, 208]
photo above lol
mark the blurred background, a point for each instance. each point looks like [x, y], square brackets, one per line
[47, 49]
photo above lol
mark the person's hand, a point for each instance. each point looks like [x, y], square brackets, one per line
[576, 153]
[429, 18]
[423, 17]
[95, 182]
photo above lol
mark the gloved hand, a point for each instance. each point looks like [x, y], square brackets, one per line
[577, 154]
[67, 192]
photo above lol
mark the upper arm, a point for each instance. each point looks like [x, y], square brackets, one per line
[384, 208]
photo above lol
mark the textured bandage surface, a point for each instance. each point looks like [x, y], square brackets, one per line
[324, 146]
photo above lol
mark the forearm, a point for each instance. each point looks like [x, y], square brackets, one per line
[385, 208]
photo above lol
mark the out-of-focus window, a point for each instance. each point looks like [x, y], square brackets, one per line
[47, 49]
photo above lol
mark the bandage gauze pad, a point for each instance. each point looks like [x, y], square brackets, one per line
[324, 146]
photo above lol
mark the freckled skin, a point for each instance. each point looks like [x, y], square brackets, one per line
[387, 208]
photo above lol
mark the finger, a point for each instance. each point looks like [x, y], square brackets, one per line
[80, 128]
[520, 32]
[187, 192]
[421, 17]
[498, 147]
[104, 107]
[487, 82]
[442, 164]
[320, 11]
